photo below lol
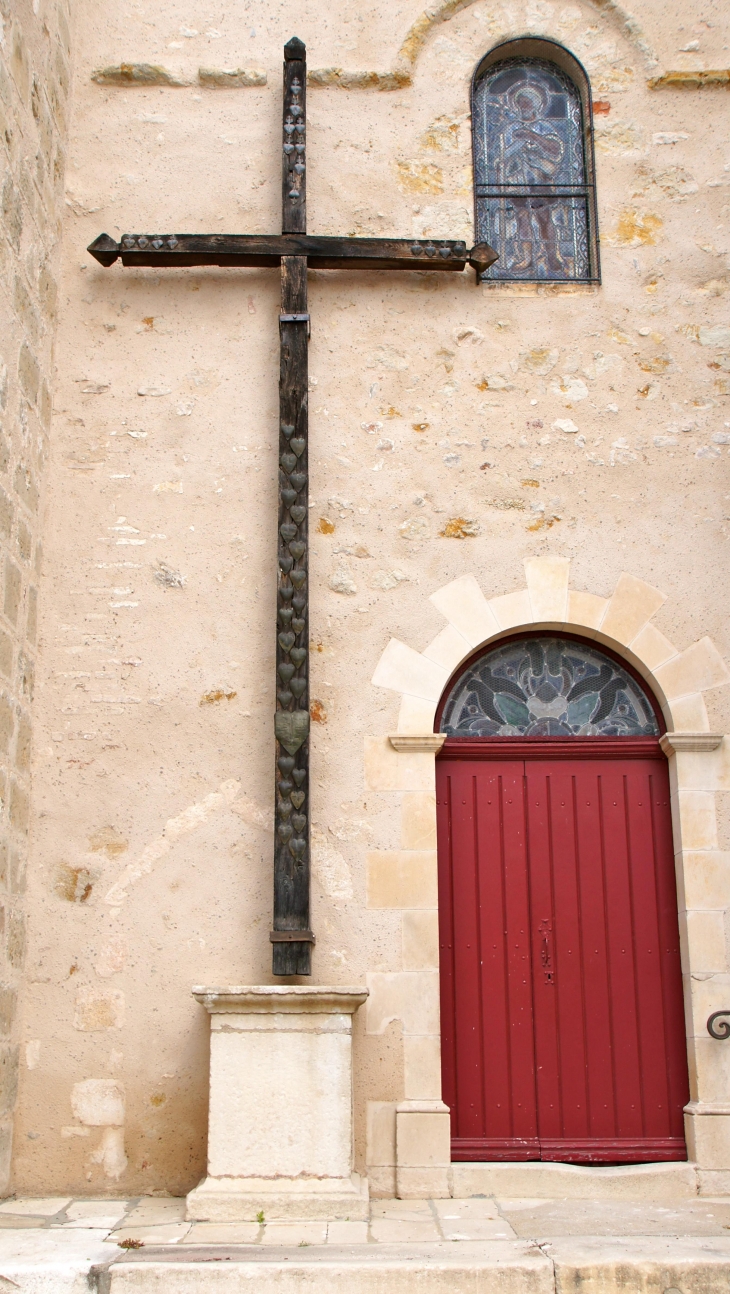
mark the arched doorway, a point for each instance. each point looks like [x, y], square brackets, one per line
[561, 1000]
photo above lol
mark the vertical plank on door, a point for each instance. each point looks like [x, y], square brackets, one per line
[609, 1037]
[486, 992]
[656, 950]
[669, 951]
[556, 887]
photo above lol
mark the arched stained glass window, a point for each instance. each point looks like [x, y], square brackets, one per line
[533, 163]
[547, 687]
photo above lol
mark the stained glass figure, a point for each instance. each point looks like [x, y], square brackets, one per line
[547, 687]
[533, 198]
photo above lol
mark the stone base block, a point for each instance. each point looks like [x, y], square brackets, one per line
[422, 1183]
[649, 1183]
[707, 1128]
[423, 1150]
[714, 1182]
[382, 1182]
[280, 1199]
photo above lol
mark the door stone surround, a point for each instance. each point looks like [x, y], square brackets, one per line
[408, 1150]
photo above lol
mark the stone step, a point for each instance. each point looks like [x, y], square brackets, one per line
[502, 1245]
[648, 1183]
[590, 1265]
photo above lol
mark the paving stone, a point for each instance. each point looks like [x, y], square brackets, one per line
[473, 1208]
[405, 1210]
[347, 1233]
[585, 1247]
[223, 1233]
[641, 1265]
[150, 1211]
[50, 1262]
[543, 1218]
[472, 1220]
[107, 1223]
[526, 1203]
[471, 1229]
[39, 1260]
[8, 1222]
[165, 1234]
[294, 1233]
[96, 1209]
[401, 1231]
[94, 1213]
[45, 1207]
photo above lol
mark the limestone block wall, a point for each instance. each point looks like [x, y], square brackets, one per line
[34, 88]
[453, 430]
[401, 766]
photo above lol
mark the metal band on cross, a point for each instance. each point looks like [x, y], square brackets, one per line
[294, 251]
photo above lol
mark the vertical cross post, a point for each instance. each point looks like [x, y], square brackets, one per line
[292, 250]
[291, 937]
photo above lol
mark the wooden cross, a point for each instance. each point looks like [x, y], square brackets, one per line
[294, 250]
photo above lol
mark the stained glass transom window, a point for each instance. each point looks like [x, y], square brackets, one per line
[547, 687]
[534, 202]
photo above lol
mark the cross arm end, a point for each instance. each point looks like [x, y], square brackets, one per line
[104, 250]
[294, 50]
[481, 257]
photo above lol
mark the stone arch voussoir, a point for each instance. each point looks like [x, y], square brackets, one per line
[408, 1147]
[425, 25]
[622, 622]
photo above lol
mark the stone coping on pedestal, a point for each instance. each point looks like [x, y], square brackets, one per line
[285, 998]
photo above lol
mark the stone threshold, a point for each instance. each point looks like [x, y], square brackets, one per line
[647, 1183]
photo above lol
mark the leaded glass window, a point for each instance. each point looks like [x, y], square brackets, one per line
[534, 196]
[547, 687]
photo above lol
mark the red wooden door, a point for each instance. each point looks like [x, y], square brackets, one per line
[561, 998]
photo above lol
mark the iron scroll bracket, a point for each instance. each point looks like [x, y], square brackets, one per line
[719, 1031]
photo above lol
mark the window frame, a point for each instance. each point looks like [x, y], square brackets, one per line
[567, 635]
[548, 51]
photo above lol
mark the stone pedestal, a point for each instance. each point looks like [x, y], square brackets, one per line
[280, 1117]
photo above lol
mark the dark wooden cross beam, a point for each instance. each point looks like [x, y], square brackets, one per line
[294, 250]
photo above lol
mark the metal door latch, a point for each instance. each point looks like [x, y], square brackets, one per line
[546, 952]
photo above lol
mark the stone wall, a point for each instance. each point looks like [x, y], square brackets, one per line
[34, 90]
[452, 429]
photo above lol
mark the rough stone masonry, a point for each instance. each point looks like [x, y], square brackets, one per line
[35, 78]
[454, 431]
